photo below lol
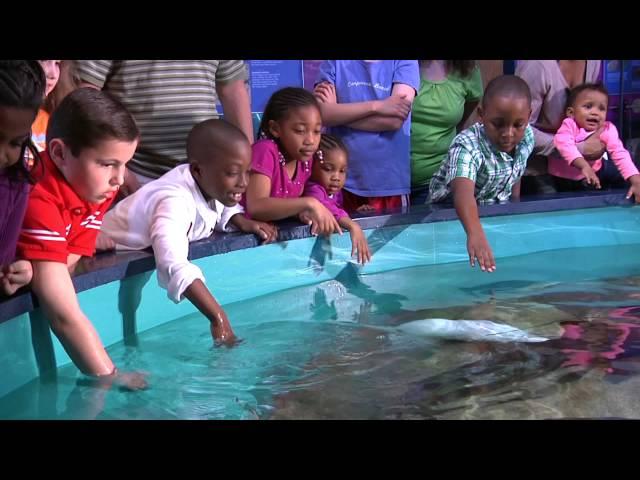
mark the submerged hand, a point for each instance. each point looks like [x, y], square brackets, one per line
[479, 249]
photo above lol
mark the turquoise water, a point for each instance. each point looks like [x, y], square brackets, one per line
[331, 350]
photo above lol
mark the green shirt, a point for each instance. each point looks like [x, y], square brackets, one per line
[436, 111]
[473, 156]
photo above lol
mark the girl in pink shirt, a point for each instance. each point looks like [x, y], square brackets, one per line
[586, 115]
[327, 179]
[282, 159]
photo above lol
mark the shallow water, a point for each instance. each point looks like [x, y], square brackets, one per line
[331, 350]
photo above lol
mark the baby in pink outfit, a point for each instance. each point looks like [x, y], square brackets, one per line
[586, 115]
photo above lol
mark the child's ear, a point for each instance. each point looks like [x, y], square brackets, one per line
[274, 128]
[570, 112]
[480, 112]
[56, 149]
[195, 170]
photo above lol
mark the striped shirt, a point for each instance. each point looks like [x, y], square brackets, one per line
[472, 156]
[166, 98]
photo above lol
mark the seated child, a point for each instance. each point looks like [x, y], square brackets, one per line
[281, 162]
[586, 115]
[486, 161]
[328, 175]
[22, 84]
[90, 138]
[195, 198]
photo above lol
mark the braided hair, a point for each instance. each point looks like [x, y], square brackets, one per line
[22, 85]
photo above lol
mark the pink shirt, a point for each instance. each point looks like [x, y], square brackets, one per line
[318, 192]
[265, 159]
[565, 140]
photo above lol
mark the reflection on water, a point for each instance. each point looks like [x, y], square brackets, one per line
[333, 350]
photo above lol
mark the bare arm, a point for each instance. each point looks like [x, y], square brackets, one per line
[235, 102]
[72, 261]
[359, 244]
[377, 123]
[262, 206]
[344, 113]
[515, 191]
[355, 114]
[389, 121]
[467, 209]
[198, 294]
[586, 169]
[52, 284]
[265, 231]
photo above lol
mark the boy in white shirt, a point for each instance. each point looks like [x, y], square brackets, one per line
[187, 204]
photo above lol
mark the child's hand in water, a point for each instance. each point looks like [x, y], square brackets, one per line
[221, 331]
[359, 245]
[14, 276]
[131, 380]
[479, 248]
[124, 380]
[590, 177]
[635, 188]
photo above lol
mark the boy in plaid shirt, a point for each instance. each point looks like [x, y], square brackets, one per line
[486, 161]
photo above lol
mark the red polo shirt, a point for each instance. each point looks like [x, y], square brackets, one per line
[58, 222]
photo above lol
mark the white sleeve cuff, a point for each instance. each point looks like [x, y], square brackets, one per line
[178, 279]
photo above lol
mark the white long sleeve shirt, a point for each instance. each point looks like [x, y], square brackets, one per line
[166, 214]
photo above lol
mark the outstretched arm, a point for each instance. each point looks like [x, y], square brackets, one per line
[53, 286]
[467, 209]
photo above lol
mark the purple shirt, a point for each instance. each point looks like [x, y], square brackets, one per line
[14, 195]
[265, 159]
[379, 162]
[317, 191]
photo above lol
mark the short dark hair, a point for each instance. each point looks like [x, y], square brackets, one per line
[212, 139]
[577, 90]
[506, 86]
[86, 117]
[22, 85]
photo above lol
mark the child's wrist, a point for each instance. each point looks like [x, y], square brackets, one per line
[634, 179]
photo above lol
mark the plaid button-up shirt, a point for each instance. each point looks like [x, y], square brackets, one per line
[471, 155]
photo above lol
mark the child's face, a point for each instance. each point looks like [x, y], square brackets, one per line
[589, 109]
[97, 173]
[299, 132]
[52, 72]
[225, 179]
[15, 129]
[505, 120]
[331, 172]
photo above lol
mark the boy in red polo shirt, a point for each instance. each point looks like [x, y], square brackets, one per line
[90, 138]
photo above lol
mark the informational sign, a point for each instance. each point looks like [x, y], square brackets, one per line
[311, 69]
[268, 76]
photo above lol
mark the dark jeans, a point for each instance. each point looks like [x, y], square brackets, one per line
[537, 184]
[609, 177]
[419, 195]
